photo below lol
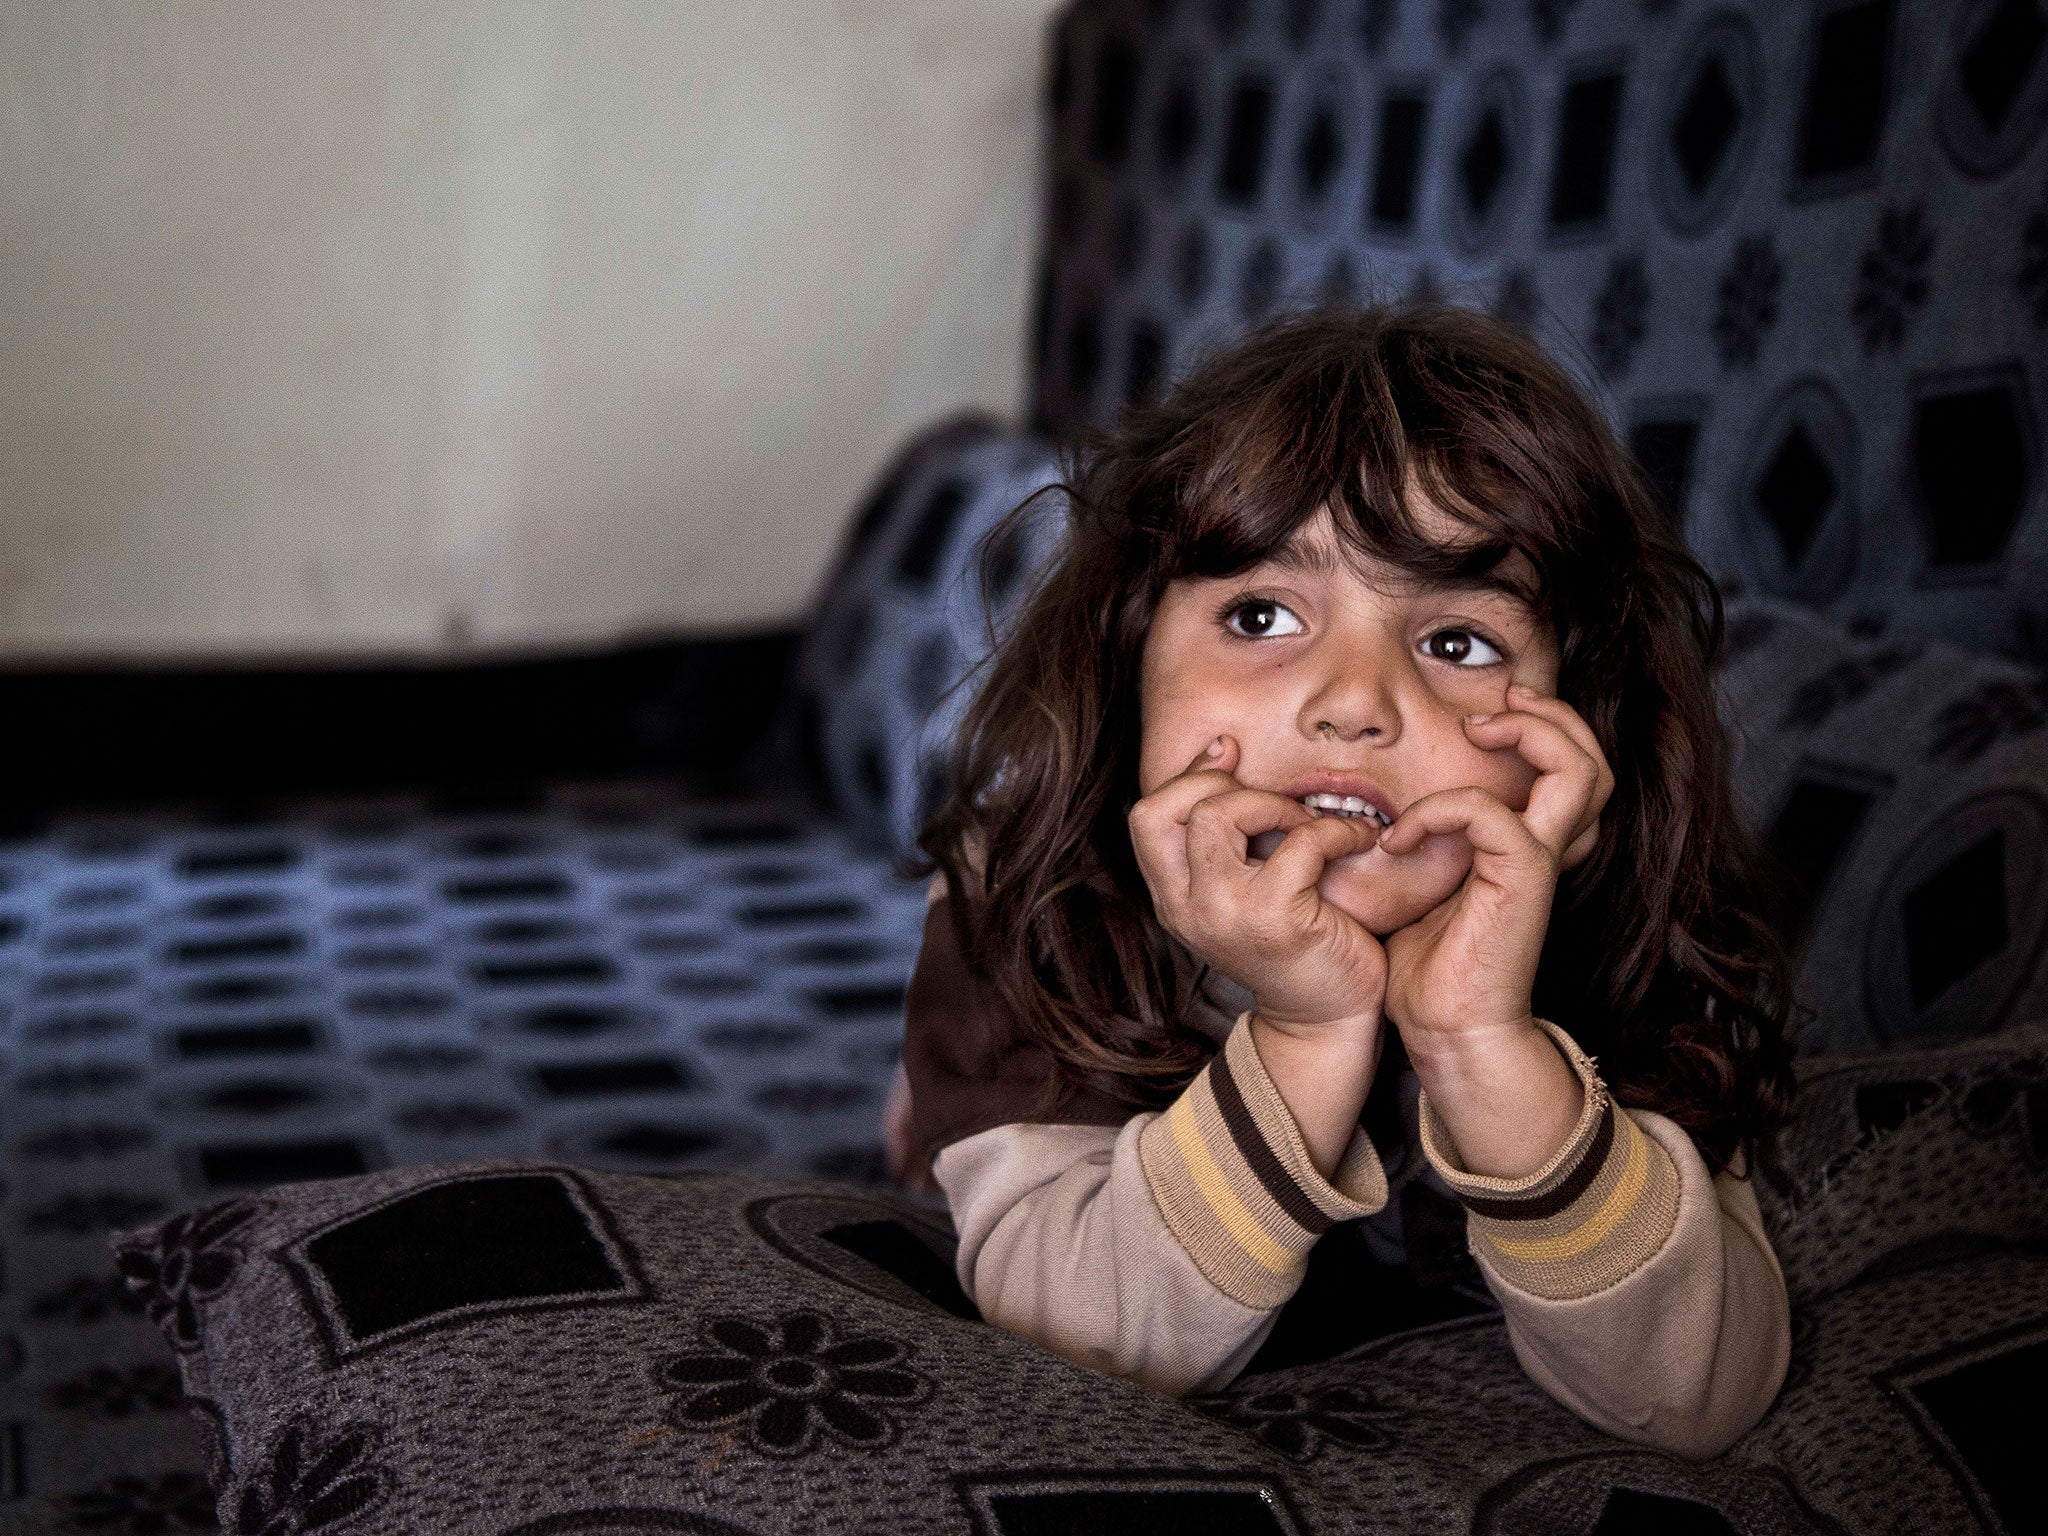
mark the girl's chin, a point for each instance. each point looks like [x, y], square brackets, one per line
[1384, 893]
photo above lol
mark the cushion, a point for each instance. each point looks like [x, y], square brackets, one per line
[524, 1347]
[905, 616]
[1903, 785]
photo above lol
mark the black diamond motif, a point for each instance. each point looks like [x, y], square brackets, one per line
[1996, 65]
[1842, 118]
[1144, 358]
[1956, 919]
[1321, 150]
[1969, 456]
[1706, 124]
[1808, 837]
[1482, 164]
[1244, 143]
[1116, 99]
[1795, 493]
[1180, 124]
[1397, 170]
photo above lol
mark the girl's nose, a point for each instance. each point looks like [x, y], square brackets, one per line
[1351, 706]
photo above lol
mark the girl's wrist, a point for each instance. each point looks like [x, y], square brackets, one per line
[1453, 1053]
[1362, 1028]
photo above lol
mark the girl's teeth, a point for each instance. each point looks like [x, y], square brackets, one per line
[1342, 805]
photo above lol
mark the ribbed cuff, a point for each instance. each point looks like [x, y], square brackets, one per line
[1589, 1217]
[1235, 1182]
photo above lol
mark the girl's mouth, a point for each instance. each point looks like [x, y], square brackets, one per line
[1349, 806]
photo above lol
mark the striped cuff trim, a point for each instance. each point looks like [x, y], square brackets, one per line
[1594, 1214]
[1235, 1183]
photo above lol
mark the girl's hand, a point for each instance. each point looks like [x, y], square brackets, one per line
[1466, 969]
[1310, 966]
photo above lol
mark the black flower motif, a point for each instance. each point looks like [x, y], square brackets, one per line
[1746, 632]
[1891, 284]
[310, 1482]
[86, 1299]
[1748, 300]
[111, 1392]
[189, 1261]
[1843, 684]
[790, 1379]
[127, 1505]
[1971, 726]
[1300, 1423]
[1618, 314]
[2033, 273]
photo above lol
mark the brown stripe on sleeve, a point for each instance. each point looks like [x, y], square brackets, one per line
[1587, 1219]
[1260, 1158]
[1236, 1185]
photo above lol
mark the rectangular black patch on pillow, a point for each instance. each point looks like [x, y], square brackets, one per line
[1055, 1503]
[444, 1254]
[1972, 1403]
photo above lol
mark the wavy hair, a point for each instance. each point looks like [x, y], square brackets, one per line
[1656, 960]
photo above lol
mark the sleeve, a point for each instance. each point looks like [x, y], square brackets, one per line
[1639, 1290]
[1161, 1250]
[1156, 1246]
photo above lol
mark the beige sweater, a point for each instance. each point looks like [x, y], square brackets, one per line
[1638, 1290]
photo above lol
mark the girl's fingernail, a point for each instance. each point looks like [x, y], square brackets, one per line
[1477, 719]
[1215, 748]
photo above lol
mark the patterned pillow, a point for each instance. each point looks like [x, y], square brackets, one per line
[513, 1349]
[1903, 784]
[905, 618]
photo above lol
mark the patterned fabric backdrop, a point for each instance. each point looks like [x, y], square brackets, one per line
[1801, 249]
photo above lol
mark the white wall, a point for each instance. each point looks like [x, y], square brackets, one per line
[361, 327]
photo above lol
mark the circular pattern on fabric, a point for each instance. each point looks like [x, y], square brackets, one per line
[1714, 114]
[1961, 921]
[1643, 1490]
[875, 1247]
[1487, 158]
[1795, 509]
[1992, 95]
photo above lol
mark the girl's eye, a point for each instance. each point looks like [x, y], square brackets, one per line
[1460, 647]
[1259, 619]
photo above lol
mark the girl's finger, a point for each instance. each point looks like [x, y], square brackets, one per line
[1503, 847]
[1521, 696]
[1159, 821]
[1295, 867]
[1566, 796]
[1221, 827]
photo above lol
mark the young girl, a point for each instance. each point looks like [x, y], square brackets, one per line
[1369, 697]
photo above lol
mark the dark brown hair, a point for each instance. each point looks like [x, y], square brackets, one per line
[1656, 960]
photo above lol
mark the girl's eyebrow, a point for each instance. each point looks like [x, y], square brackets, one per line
[1304, 555]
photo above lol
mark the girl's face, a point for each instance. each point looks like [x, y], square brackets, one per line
[1338, 674]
